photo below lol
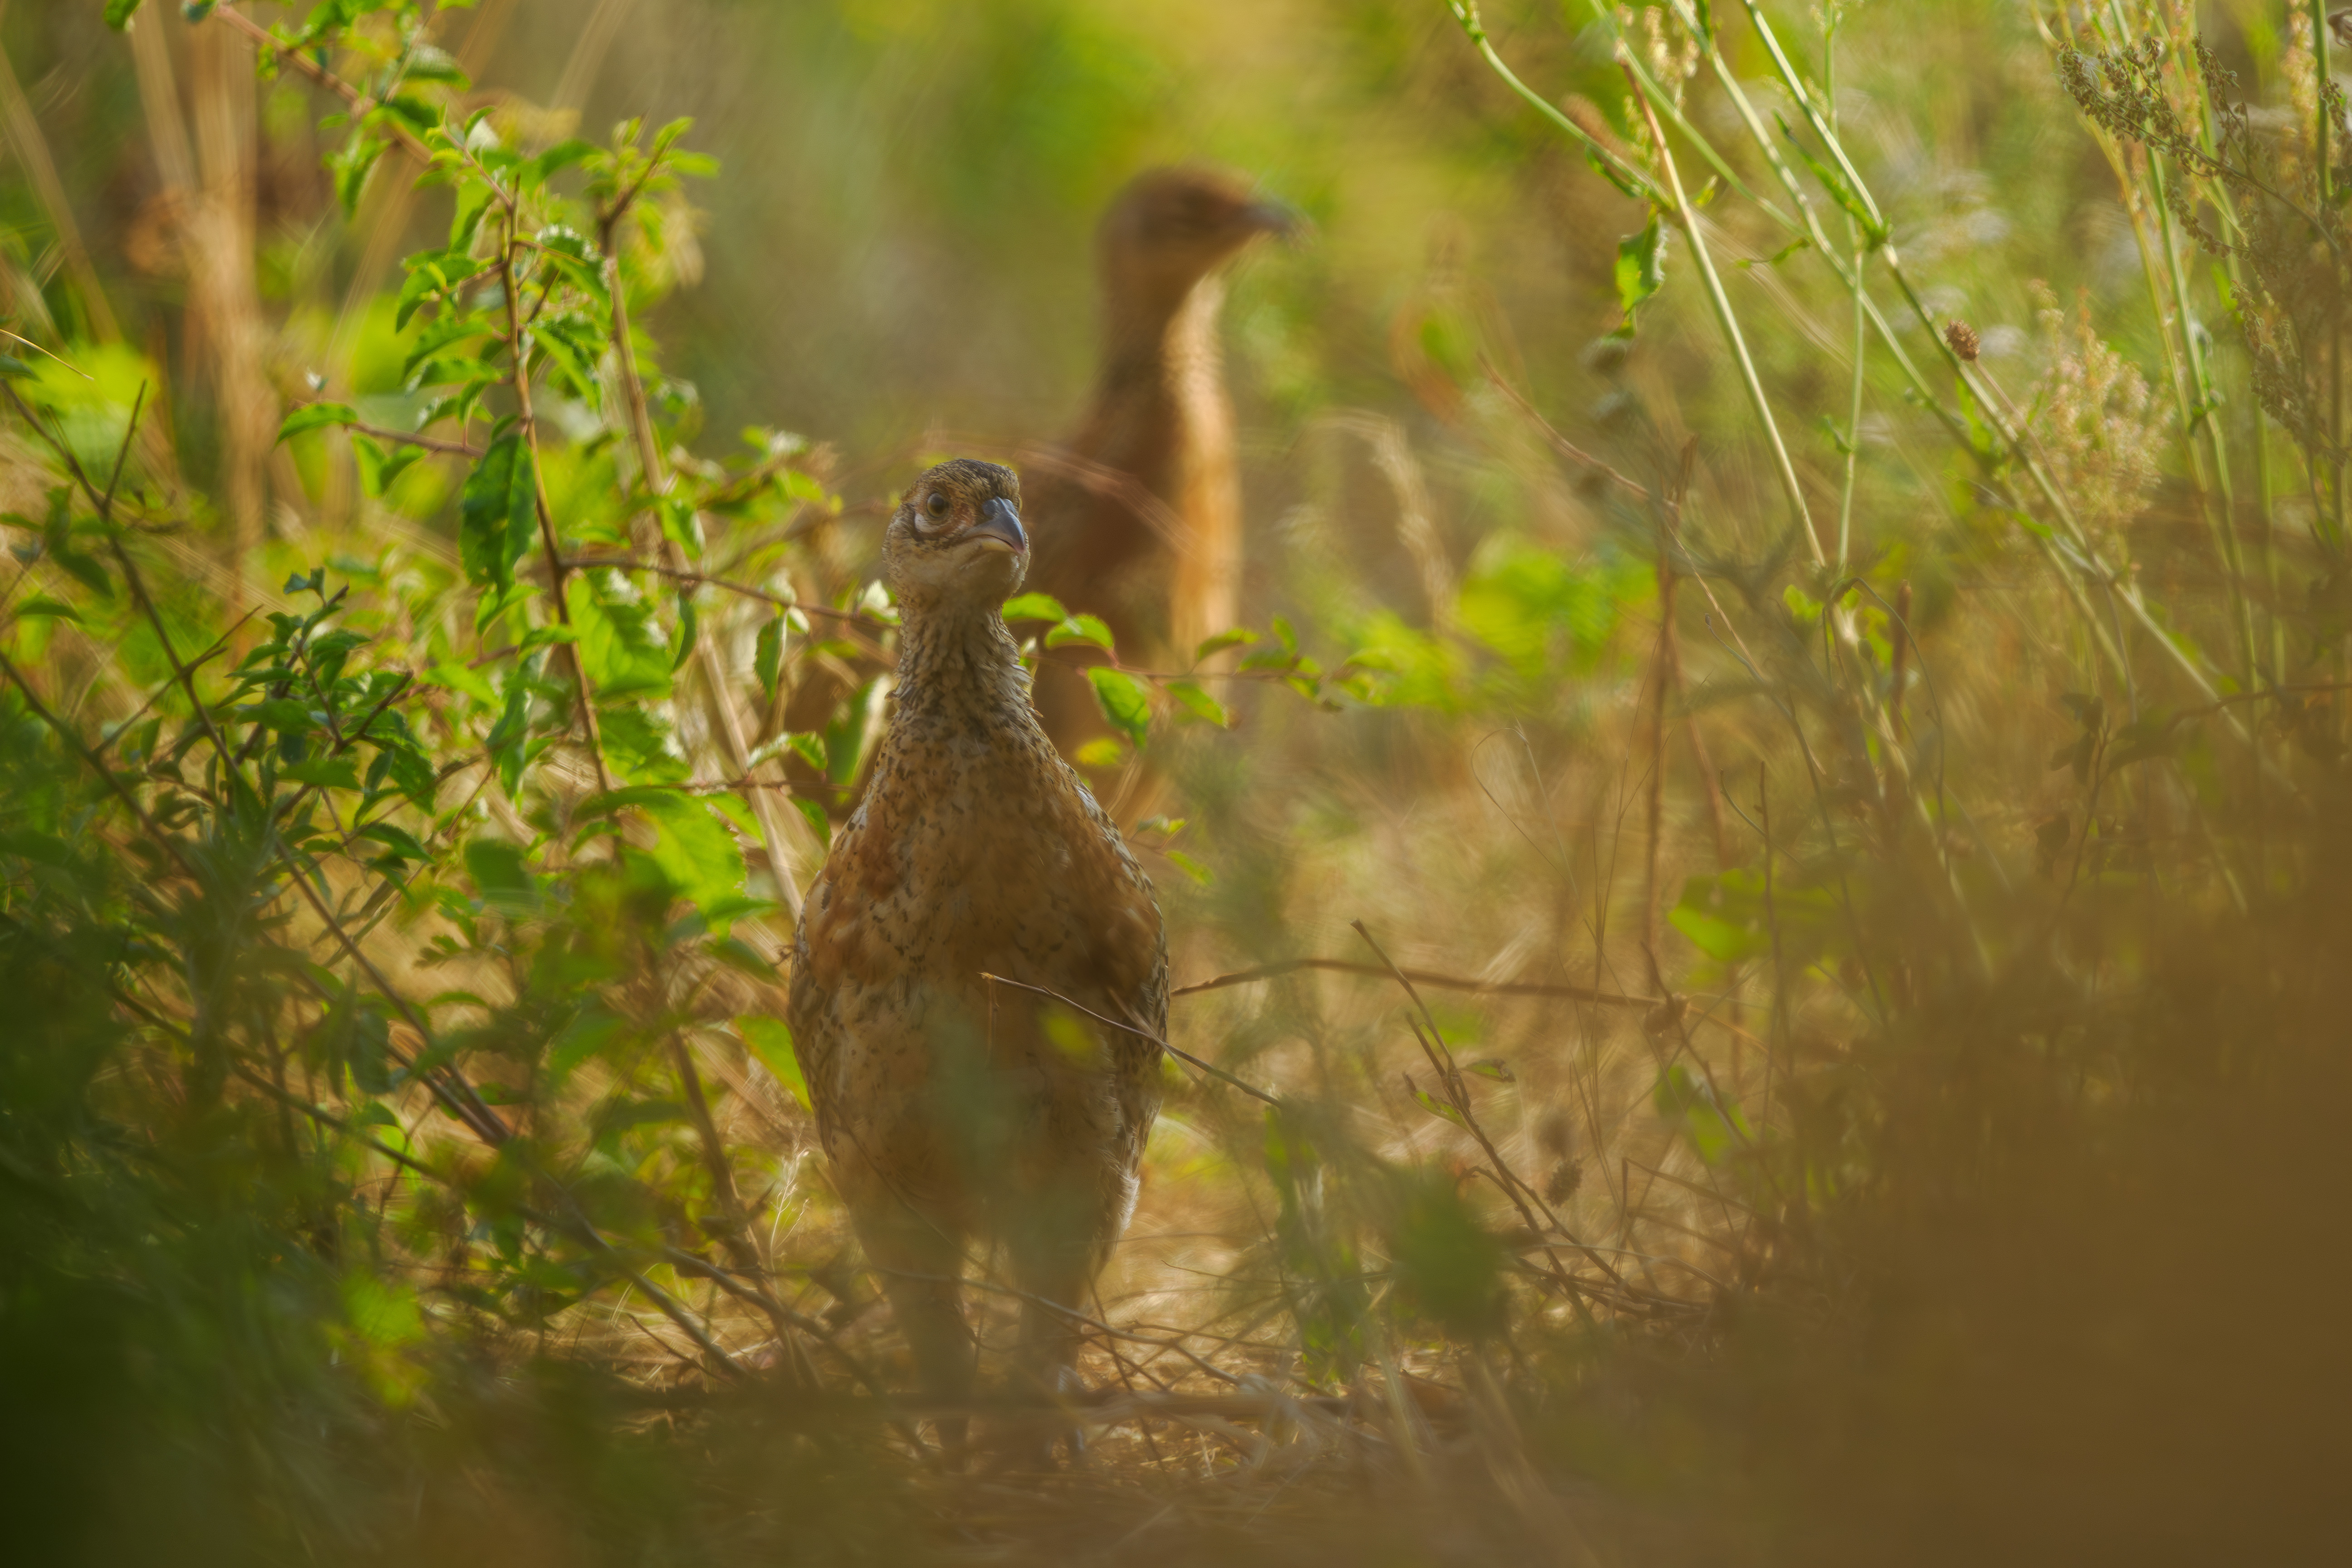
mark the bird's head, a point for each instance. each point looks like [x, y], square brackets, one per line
[1172, 228]
[956, 538]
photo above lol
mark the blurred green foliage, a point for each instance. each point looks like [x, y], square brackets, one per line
[398, 1150]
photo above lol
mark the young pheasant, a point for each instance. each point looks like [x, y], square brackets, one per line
[1140, 511]
[956, 1111]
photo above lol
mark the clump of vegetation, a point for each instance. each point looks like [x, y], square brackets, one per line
[1775, 1003]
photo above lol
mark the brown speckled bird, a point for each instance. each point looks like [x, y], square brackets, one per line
[956, 1111]
[1138, 514]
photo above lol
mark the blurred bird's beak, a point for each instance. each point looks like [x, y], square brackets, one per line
[1272, 217]
[999, 528]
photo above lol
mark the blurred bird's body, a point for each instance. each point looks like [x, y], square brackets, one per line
[955, 1110]
[1137, 514]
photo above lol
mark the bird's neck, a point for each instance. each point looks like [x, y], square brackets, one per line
[957, 662]
[1154, 347]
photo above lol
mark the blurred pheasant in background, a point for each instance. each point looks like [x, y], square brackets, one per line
[1137, 514]
[954, 1110]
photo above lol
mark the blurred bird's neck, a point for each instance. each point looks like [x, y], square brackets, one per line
[956, 661]
[1166, 376]
[1156, 346]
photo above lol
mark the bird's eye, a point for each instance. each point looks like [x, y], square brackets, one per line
[937, 505]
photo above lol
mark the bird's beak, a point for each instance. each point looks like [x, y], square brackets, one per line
[999, 528]
[1273, 218]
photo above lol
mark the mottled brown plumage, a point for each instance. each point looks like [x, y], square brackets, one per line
[1137, 514]
[954, 1116]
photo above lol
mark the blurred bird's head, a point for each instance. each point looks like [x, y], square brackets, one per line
[956, 538]
[1172, 228]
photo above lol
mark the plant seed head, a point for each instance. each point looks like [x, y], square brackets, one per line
[1963, 338]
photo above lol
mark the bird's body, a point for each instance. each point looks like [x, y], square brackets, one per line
[956, 1110]
[1138, 512]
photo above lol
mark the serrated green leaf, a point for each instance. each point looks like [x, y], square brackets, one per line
[498, 514]
[1125, 701]
[621, 640]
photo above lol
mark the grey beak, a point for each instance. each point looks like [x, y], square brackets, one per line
[999, 527]
[1274, 218]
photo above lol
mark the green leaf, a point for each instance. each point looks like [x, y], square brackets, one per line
[1233, 637]
[1103, 754]
[398, 841]
[1080, 629]
[326, 772]
[1035, 608]
[692, 848]
[119, 14]
[349, 166]
[581, 1040]
[1190, 866]
[501, 872]
[1126, 701]
[378, 467]
[473, 201]
[1641, 267]
[497, 513]
[1607, 171]
[458, 678]
[1192, 700]
[621, 641]
[767, 656]
[317, 416]
[1729, 918]
[284, 715]
[432, 273]
[508, 738]
[562, 155]
[426, 63]
[1431, 1104]
[37, 605]
[772, 1042]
